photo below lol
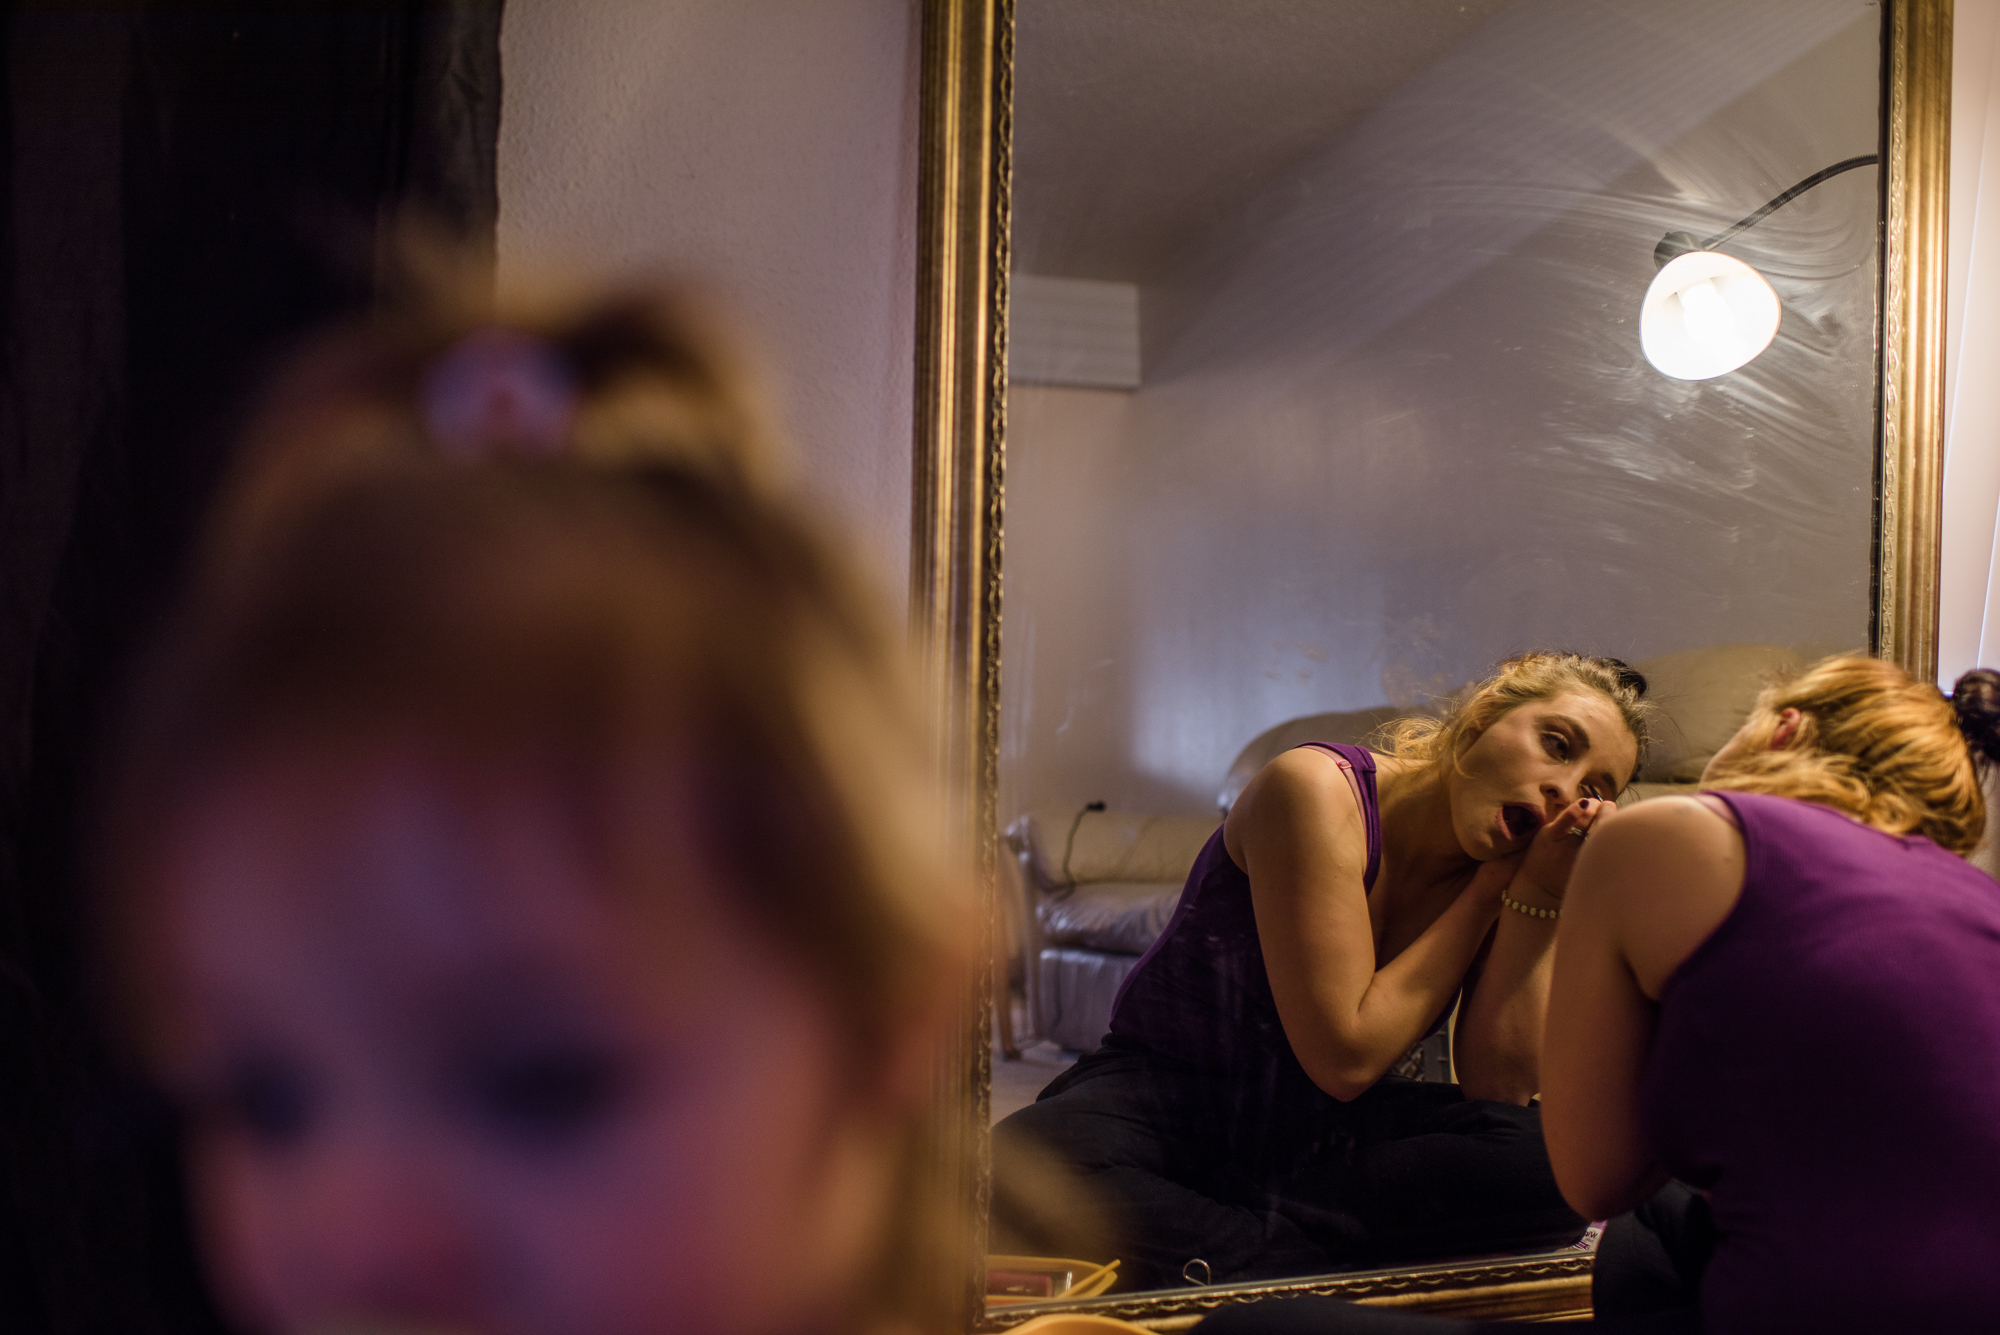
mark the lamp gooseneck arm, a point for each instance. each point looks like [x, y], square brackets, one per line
[1824, 174]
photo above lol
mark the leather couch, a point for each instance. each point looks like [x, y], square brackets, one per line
[1097, 887]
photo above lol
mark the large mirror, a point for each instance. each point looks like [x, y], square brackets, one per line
[1336, 350]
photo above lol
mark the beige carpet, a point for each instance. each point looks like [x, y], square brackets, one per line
[1015, 1083]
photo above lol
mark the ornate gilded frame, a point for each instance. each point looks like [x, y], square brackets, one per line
[955, 524]
[1915, 205]
[957, 505]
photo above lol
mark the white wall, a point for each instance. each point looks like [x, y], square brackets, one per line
[766, 148]
[1395, 423]
[1969, 602]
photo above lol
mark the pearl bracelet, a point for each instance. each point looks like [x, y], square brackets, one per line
[1530, 911]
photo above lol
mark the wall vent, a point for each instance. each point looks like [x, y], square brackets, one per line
[1072, 331]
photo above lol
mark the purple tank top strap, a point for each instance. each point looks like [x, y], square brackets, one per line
[1359, 762]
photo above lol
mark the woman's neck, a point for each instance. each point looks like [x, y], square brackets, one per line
[1418, 838]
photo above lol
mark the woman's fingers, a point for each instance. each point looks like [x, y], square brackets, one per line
[1553, 853]
[1578, 817]
[1570, 823]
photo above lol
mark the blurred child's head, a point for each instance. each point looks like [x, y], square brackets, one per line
[522, 875]
[637, 378]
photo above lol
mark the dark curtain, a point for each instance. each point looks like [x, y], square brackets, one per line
[185, 189]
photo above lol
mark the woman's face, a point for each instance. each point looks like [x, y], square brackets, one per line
[1533, 761]
[441, 1076]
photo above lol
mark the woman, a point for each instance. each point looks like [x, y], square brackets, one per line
[523, 873]
[1781, 992]
[1239, 1115]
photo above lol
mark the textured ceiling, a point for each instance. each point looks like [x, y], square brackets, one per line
[1140, 124]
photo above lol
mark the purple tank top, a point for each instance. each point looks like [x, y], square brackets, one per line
[1827, 1066]
[1200, 994]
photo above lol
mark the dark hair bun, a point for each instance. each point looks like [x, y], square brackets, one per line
[1976, 700]
[1629, 677]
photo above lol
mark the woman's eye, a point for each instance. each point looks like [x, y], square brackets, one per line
[1558, 745]
[546, 1097]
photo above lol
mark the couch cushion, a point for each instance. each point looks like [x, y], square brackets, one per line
[1074, 990]
[1354, 727]
[1110, 846]
[1705, 694]
[1109, 915]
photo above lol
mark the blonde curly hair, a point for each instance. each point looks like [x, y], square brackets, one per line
[1873, 742]
[1538, 675]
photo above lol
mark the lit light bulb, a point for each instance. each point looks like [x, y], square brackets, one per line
[1708, 318]
[1705, 315]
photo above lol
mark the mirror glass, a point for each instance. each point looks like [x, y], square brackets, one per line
[1328, 393]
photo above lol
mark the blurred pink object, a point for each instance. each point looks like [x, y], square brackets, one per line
[500, 391]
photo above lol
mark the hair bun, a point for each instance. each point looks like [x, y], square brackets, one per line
[1629, 677]
[1975, 698]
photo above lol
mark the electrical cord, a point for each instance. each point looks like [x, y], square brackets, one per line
[1824, 173]
[1675, 244]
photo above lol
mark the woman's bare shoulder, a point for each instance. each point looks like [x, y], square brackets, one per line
[1301, 790]
[1695, 815]
[1302, 774]
[1659, 878]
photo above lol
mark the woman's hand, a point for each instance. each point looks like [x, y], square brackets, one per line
[1545, 868]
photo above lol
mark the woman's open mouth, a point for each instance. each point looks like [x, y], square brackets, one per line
[1521, 821]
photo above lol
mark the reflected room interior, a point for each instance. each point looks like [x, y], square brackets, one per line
[1326, 392]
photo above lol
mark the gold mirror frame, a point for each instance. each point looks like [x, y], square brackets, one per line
[957, 505]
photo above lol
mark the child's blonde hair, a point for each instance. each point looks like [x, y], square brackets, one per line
[586, 606]
[635, 377]
[1873, 742]
[1539, 675]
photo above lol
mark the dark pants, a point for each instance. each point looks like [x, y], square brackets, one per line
[1264, 1177]
[1652, 1259]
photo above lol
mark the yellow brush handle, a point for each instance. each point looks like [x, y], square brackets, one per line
[1094, 1278]
[1097, 1281]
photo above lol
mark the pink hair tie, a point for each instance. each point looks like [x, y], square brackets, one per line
[500, 391]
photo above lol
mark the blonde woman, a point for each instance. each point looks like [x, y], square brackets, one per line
[1782, 992]
[1239, 1113]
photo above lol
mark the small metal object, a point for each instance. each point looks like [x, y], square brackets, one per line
[1672, 246]
[1205, 1278]
[1578, 831]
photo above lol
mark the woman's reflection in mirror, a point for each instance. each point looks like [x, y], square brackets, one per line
[524, 874]
[1240, 1109]
[1779, 993]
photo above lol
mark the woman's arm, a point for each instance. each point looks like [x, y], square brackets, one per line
[1298, 832]
[1497, 1046]
[1650, 887]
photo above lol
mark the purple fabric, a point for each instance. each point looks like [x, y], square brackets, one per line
[1200, 994]
[1827, 1066]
